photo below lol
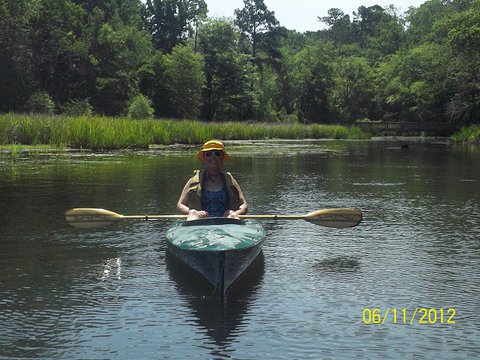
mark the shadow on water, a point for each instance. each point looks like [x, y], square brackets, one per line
[221, 319]
[337, 264]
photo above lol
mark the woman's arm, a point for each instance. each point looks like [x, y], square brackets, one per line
[242, 209]
[183, 208]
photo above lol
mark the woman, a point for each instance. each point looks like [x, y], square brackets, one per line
[212, 192]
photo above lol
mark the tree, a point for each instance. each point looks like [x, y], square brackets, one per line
[352, 92]
[420, 21]
[153, 83]
[311, 72]
[260, 33]
[291, 44]
[409, 85]
[16, 73]
[459, 36]
[389, 36]
[367, 19]
[378, 29]
[88, 49]
[126, 12]
[171, 21]
[228, 72]
[185, 79]
[59, 49]
[254, 20]
[340, 28]
[118, 54]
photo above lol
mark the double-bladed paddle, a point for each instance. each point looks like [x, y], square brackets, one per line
[90, 218]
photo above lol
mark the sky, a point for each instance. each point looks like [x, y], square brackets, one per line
[301, 15]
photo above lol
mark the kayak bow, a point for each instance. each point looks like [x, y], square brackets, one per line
[219, 249]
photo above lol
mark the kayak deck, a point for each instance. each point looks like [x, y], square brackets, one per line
[215, 234]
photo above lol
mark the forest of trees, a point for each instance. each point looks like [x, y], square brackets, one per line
[376, 64]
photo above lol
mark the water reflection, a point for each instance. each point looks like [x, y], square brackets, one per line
[221, 320]
[114, 264]
[47, 285]
[71, 294]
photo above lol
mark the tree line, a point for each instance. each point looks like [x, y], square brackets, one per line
[376, 64]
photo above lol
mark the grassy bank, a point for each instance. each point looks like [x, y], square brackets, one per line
[468, 134]
[121, 133]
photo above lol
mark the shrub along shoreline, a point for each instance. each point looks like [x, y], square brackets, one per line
[109, 133]
[470, 134]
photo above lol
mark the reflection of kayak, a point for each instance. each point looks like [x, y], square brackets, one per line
[219, 249]
[221, 319]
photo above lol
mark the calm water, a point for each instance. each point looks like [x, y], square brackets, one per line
[115, 293]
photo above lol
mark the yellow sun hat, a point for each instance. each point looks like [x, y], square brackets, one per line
[212, 145]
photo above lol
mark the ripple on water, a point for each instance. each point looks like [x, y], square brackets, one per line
[114, 293]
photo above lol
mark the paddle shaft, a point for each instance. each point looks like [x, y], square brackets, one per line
[273, 217]
[96, 218]
[153, 217]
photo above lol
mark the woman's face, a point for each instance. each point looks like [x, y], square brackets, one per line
[213, 159]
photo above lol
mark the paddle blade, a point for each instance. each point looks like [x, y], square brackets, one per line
[335, 218]
[90, 218]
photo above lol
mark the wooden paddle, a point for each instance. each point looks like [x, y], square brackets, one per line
[90, 218]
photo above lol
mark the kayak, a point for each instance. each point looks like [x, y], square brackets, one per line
[219, 249]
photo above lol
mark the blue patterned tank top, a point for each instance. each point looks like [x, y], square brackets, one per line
[215, 202]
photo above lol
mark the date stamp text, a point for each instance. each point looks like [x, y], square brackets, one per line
[418, 315]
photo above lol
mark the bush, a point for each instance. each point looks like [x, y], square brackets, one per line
[40, 103]
[468, 134]
[290, 119]
[140, 108]
[78, 107]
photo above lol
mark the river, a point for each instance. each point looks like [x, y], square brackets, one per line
[405, 283]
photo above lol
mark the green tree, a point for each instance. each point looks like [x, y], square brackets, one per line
[126, 12]
[311, 72]
[228, 73]
[16, 73]
[140, 107]
[59, 48]
[118, 55]
[420, 20]
[352, 92]
[367, 19]
[88, 49]
[254, 21]
[184, 71]
[409, 85]
[40, 103]
[389, 36]
[340, 29]
[379, 29]
[153, 83]
[459, 36]
[171, 21]
[260, 33]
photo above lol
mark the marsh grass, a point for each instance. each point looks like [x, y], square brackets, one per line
[468, 134]
[95, 132]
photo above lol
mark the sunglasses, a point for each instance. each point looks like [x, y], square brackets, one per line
[213, 153]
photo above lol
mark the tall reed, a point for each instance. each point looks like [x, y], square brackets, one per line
[97, 132]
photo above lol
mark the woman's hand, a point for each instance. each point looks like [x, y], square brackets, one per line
[195, 214]
[231, 214]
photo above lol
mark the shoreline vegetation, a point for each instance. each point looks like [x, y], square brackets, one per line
[115, 133]
[468, 134]
[24, 132]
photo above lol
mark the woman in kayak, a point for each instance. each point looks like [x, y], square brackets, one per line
[212, 192]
